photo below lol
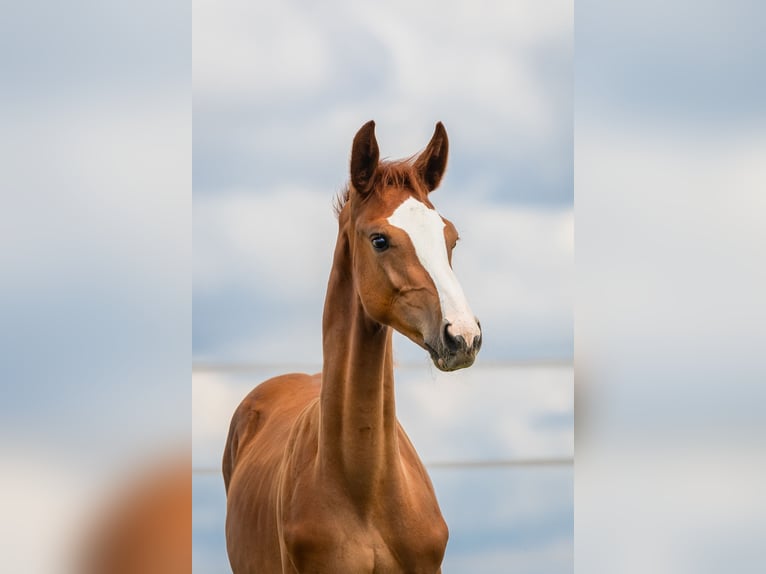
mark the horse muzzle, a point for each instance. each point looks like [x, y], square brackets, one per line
[455, 348]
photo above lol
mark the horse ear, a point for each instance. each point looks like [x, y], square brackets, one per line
[431, 164]
[364, 157]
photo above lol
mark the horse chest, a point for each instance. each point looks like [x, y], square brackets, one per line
[342, 541]
[366, 551]
[420, 551]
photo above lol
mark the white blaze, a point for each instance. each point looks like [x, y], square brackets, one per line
[425, 228]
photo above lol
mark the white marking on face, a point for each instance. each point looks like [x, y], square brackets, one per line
[425, 228]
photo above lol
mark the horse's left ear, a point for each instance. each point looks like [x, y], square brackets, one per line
[364, 158]
[433, 161]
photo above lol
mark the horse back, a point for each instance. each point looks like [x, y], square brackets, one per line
[269, 409]
[257, 442]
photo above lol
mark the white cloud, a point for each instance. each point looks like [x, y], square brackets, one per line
[278, 242]
[422, 59]
[469, 55]
[214, 400]
[708, 496]
[483, 413]
[254, 49]
[114, 187]
[96, 274]
[516, 262]
[669, 223]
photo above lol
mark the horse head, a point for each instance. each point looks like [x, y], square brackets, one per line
[401, 250]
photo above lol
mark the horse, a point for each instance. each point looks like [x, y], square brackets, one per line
[320, 476]
[145, 525]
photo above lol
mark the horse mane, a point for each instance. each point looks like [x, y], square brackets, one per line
[340, 199]
[399, 173]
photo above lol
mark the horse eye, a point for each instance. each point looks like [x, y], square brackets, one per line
[379, 242]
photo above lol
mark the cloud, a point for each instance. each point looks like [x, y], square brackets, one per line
[280, 91]
[670, 285]
[95, 110]
[677, 66]
[97, 266]
[485, 413]
[288, 51]
[257, 51]
[518, 266]
[681, 266]
[88, 191]
[214, 400]
[275, 243]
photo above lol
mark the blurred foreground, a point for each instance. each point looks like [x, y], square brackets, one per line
[146, 527]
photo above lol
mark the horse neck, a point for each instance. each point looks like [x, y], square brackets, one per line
[358, 429]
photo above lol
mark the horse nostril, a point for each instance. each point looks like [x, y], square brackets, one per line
[449, 340]
[477, 339]
[477, 342]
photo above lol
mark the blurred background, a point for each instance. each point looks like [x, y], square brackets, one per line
[280, 89]
[670, 328]
[95, 257]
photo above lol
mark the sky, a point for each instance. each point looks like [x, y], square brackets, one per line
[669, 154]
[95, 230]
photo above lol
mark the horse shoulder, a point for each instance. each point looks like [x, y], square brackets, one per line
[258, 439]
[425, 534]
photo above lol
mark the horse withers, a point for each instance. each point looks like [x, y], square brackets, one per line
[319, 474]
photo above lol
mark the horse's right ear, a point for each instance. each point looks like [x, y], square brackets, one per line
[364, 158]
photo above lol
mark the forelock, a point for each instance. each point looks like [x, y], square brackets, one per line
[399, 173]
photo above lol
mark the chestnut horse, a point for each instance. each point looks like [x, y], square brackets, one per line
[320, 476]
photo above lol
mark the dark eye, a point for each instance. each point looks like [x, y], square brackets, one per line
[379, 242]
